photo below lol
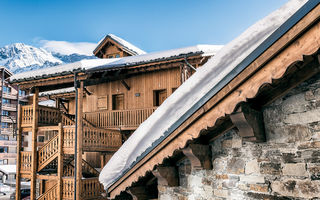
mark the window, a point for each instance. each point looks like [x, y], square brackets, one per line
[159, 96]
[118, 102]
[3, 149]
[40, 138]
[5, 101]
[5, 113]
[102, 102]
[117, 56]
[4, 137]
[6, 89]
[22, 93]
[3, 161]
[4, 125]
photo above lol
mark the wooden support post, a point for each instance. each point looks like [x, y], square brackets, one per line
[79, 142]
[19, 148]
[34, 143]
[102, 160]
[199, 156]
[167, 176]
[249, 123]
[60, 162]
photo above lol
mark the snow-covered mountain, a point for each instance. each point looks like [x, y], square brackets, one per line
[19, 57]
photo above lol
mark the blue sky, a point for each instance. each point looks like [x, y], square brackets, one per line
[150, 25]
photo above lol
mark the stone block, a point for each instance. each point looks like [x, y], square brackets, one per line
[226, 144]
[295, 169]
[303, 118]
[294, 104]
[252, 179]
[259, 188]
[222, 176]
[270, 168]
[252, 167]
[297, 188]
[308, 96]
[221, 193]
[236, 166]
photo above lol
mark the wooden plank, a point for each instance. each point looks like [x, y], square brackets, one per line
[60, 162]
[18, 165]
[34, 143]
[79, 141]
[48, 128]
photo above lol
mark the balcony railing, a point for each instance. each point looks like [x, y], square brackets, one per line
[119, 118]
[47, 115]
[9, 119]
[91, 188]
[94, 139]
[9, 95]
[10, 107]
[25, 161]
[7, 131]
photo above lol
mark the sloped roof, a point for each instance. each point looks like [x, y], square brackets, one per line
[127, 46]
[107, 63]
[202, 86]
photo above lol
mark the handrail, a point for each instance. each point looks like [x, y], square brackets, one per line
[50, 194]
[131, 118]
[47, 151]
[47, 115]
[25, 161]
[91, 188]
[67, 188]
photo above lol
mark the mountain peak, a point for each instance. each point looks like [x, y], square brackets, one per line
[20, 57]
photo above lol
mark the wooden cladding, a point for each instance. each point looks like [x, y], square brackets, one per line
[47, 116]
[119, 118]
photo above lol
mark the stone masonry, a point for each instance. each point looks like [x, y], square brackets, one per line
[286, 166]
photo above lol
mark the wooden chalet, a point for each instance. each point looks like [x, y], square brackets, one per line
[285, 58]
[99, 103]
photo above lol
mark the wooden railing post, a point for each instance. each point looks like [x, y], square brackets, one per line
[60, 161]
[34, 143]
[19, 145]
[79, 141]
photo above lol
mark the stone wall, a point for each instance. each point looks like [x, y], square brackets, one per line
[287, 166]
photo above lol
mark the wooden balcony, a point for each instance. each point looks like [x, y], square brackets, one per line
[9, 95]
[94, 139]
[7, 131]
[90, 188]
[124, 119]
[47, 116]
[25, 164]
[9, 107]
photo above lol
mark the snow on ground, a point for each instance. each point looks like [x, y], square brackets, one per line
[192, 90]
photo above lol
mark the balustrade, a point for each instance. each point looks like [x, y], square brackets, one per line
[48, 152]
[47, 115]
[119, 118]
[67, 188]
[25, 161]
[50, 194]
[91, 188]
[96, 139]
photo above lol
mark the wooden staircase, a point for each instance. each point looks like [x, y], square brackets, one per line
[94, 140]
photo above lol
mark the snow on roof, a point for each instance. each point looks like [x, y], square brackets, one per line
[8, 169]
[163, 120]
[205, 50]
[59, 91]
[61, 69]
[126, 44]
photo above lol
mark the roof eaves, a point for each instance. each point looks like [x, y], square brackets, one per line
[249, 59]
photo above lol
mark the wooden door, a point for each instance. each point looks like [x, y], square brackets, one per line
[118, 102]
[162, 96]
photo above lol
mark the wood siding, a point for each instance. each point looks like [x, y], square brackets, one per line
[140, 95]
